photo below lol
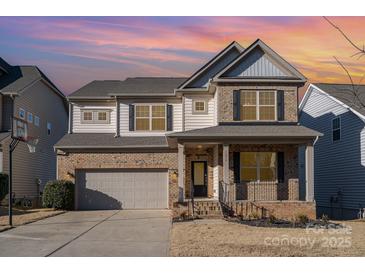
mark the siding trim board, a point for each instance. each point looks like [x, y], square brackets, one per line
[309, 91]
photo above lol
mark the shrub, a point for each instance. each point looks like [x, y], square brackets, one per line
[4, 185]
[59, 194]
[301, 219]
[272, 219]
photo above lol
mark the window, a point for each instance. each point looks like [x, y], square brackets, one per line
[30, 117]
[49, 128]
[95, 117]
[258, 166]
[21, 113]
[260, 105]
[151, 117]
[336, 129]
[199, 107]
[36, 120]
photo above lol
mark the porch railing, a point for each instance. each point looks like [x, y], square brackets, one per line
[259, 191]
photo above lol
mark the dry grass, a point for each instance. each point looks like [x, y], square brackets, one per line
[222, 238]
[21, 217]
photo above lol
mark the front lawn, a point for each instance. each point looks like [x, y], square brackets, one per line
[21, 217]
[222, 238]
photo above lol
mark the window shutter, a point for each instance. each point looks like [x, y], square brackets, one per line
[236, 105]
[169, 117]
[236, 167]
[281, 167]
[131, 117]
[280, 104]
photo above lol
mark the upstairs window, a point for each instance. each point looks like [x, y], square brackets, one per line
[258, 105]
[36, 120]
[150, 117]
[95, 117]
[21, 113]
[49, 128]
[200, 107]
[30, 117]
[336, 129]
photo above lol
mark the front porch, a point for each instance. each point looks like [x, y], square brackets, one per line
[222, 172]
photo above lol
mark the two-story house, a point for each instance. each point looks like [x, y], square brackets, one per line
[337, 110]
[227, 133]
[26, 93]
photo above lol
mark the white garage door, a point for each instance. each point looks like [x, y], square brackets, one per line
[126, 189]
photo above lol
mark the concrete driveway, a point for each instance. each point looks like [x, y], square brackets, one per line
[92, 233]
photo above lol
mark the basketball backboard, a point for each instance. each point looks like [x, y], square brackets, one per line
[20, 133]
[19, 130]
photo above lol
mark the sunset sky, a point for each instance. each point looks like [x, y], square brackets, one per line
[73, 51]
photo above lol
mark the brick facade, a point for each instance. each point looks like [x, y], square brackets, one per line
[225, 101]
[287, 210]
[69, 163]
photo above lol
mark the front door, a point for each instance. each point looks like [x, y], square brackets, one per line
[199, 178]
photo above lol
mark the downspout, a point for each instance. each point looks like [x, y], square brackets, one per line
[70, 117]
[117, 126]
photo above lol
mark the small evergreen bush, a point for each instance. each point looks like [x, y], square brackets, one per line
[59, 194]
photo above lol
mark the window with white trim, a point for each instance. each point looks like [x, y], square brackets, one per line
[36, 120]
[49, 128]
[258, 166]
[95, 116]
[21, 113]
[30, 117]
[150, 117]
[336, 129]
[258, 105]
[199, 106]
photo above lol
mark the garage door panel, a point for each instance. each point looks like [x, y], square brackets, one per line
[114, 189]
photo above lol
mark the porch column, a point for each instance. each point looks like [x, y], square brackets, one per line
[309, 173]
[181, 171]
[226, 163]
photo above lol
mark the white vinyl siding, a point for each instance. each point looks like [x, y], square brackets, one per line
[79, 127]
[194, 120]
[124, 120]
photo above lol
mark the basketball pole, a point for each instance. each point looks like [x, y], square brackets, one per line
[14, 142]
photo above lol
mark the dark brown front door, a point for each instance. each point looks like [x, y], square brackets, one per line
[199, 178]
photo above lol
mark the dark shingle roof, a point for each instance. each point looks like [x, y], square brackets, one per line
[17, 78]
[345, 94]
[131, 86]
[251, 131]
[107, 140]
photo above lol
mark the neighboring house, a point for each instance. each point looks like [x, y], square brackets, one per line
[26, 93]
[230, 130]
[339, 177]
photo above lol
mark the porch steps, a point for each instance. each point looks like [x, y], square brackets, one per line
[207, 209]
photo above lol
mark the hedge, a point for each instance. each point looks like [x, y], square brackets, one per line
[59, 194]
[4, 185]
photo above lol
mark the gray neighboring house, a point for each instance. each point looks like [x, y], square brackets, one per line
[228, 134]
[339, 177]
[26, 93]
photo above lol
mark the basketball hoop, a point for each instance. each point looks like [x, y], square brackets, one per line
[20, 133]
[32, 143]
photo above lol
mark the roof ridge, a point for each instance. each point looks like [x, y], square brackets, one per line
[338, 84]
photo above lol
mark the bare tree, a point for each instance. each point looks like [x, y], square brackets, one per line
[360, 52]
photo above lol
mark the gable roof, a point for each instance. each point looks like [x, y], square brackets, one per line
[138, 86]
[18, 78]
[342, 94]
[4, 66]
[215, 65]
[281, 70]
